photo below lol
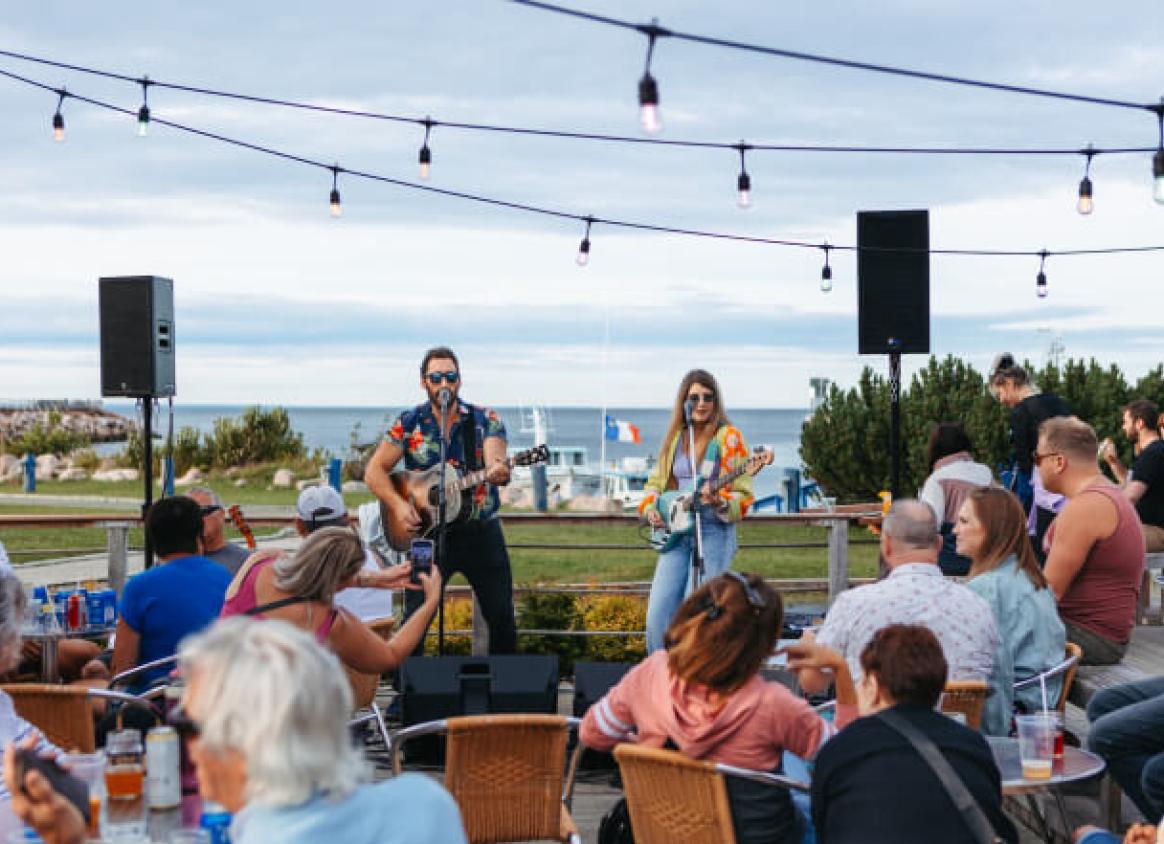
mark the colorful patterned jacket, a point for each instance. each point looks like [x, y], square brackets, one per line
[725, 452]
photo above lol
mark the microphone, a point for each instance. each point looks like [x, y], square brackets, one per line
[443, 397]
[688, 406]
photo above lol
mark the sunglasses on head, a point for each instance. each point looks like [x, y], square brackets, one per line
[185, 726]
[701, 398]
[754, 598]
[450, 377]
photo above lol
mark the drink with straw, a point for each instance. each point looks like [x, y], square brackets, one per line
[1036, 735]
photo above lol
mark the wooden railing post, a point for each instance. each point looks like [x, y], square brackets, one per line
[117, 543]
[480, 631]
[838, 557]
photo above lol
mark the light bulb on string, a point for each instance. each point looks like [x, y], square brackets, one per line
[425, 155]
[583, 256]
[58, 118]
[1041, 278]
[826, 273]
[1086, 204]
[334, 199]
[143, 113]
[649, 117]
[744, 182]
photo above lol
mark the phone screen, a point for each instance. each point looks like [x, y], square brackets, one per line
[421, 553]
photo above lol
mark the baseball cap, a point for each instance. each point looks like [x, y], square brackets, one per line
[319, 505]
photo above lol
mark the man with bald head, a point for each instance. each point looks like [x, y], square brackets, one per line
[915, 592]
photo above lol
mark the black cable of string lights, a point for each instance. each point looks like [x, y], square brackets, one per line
[653, 31]
[429, 122]
[336, 170]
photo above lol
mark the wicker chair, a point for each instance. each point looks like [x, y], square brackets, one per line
[1066, 668]
[365, 686]
[64, 714]
[508, 774]
[673, 798]
[967, 697]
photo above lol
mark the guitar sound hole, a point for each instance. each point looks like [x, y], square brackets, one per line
[434, 497]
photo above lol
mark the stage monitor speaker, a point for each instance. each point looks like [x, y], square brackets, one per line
[893, 287]
[137, 336]
[592, 680]
[436, 687]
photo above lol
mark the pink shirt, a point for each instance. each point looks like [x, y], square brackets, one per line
[751, 730]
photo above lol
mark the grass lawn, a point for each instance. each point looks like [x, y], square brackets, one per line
[530, 565]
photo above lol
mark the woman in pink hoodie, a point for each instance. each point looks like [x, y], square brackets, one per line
[704, 693]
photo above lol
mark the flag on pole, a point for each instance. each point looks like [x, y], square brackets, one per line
[621, 431]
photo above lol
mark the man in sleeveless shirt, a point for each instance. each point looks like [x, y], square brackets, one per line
[1095, 548]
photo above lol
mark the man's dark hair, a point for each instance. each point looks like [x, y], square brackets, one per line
[1143, 410]
[945, 439]
[174, 526]
[438, 352]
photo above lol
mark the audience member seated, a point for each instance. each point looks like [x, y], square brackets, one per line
[264, 714]
[180, 595]
[321, 506]
[300, 589]
[953, 475]
[915, 592]
[992, 532]
[703, 692]
[1095, 547]
[1144, 484]
[1127, 730]
[13, 728]
[215, 547]
[871, 786]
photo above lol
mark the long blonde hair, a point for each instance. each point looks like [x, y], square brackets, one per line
[704, 379]
[326, 560]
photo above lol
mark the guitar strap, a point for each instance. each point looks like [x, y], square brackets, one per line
[469, 443]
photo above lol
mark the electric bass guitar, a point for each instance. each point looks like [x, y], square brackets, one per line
[421, 488]
[676, 506]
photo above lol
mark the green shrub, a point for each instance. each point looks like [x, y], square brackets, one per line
[615, 612]
[552, 611]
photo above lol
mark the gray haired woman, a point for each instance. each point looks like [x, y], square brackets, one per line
[300, 589]
[13, 728]
[264, 714]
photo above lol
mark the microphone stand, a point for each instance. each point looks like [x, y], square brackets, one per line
[442, 527]
[696, 504]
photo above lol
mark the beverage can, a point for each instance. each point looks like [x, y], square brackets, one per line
[73, 621]
[163, 786]
[109, 607]
[94, 603]
[216, 821]
[60, 599]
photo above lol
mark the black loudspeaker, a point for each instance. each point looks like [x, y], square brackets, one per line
[137, 336]
[592, 680]
[893, 287]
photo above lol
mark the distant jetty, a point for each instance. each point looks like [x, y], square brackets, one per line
[87, 417]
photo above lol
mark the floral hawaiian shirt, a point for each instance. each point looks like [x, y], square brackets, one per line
[417, 434]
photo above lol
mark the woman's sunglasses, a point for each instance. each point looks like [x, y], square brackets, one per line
[701, 398]
[451, 377]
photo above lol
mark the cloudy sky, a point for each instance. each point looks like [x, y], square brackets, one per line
[277, 302]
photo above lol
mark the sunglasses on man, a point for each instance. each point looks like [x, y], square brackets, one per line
[450, 377]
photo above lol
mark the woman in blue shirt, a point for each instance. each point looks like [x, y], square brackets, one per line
[991, 530]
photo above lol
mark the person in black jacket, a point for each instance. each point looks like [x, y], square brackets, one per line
[1029, 408]
[871, 786]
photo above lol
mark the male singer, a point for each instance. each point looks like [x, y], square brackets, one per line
[475, 439]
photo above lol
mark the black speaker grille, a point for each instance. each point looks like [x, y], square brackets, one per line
[893, 288]
[137, 336]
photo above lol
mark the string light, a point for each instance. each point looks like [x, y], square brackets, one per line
[425, 156]
[58, 118]
[334, 199]
[583, 256]
[1041, 278]
[1158, 158]
[143, 113]
[826, 273]
[1086, 205]
[649, 117]
[744, 182]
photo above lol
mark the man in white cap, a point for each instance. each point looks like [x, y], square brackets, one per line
[322, 506]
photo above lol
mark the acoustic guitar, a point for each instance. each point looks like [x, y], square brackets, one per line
[421, 488]
[236, 518]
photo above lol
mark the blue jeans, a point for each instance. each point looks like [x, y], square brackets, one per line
[672, 580]
[1127, 730]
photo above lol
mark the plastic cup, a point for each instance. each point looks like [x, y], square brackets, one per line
[1036, 735]
[90, 767]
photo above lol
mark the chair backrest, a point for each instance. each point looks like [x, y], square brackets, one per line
[506, 773]
[1074, 655]
[672, 797]
[61, 713]
[967, 697]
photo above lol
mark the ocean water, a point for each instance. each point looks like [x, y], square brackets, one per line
[334, 428]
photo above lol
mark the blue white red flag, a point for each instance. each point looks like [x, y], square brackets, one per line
[619, 430]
